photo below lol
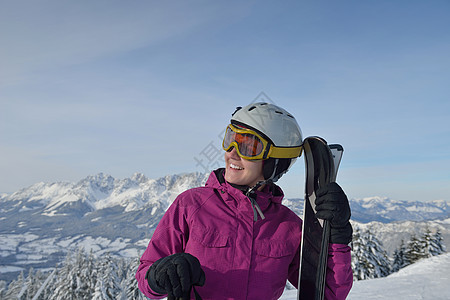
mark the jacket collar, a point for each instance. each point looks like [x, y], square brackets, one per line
[270, 193]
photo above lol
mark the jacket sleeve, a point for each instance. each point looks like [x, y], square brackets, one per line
[339, 278]
[169, 237]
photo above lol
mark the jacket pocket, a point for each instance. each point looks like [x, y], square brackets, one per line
[212, 248]
[274, 248]
[209, 238]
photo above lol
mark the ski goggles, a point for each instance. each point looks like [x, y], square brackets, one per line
[251, 145]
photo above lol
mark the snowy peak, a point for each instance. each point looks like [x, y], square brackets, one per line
[386, 210]
[138, 178]
[39, 192]
[101, 191]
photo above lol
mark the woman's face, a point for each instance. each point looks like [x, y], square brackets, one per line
[241, 171]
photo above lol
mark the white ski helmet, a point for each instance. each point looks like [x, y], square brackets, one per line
[278, 127]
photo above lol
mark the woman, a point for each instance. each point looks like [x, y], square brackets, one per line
[233, 239]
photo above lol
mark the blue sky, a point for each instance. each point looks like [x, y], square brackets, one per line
[148, 86]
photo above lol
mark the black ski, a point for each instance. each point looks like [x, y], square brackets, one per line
[322, 162]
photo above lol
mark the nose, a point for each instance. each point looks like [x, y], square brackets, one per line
[233, 153]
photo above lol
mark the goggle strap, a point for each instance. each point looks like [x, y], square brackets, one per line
[286, 152]
[267, 150]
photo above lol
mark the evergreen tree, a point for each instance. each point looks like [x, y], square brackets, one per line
[369, 259]
[358, 259]
[131, 286]
[91, 272]
[3, 289]
[39, 279]
[45, 286]
[49, 289]
[30, 283]
[426, 239]
[99, 290]
[433, 243]
[65, 284]
[108, 282]
[33, 282]
[415, 249]
[400, 260]
[83, 271]
[15, 287]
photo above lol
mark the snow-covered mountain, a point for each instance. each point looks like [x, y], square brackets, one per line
[386, 210]
[40, 223]
[98, 192]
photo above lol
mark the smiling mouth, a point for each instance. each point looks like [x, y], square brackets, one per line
[234, 167]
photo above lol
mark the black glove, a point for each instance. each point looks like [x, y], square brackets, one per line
[332, 205]
[175, 275]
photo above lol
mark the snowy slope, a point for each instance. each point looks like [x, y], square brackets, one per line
[428, 279]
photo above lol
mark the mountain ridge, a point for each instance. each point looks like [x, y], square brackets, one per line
[102, 190]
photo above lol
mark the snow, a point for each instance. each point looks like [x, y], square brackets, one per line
[446, 221]
[10, 242]
[130, 253]
[6, 269]
[154, 210]
[427, 279]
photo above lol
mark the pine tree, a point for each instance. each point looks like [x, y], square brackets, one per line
[49, 289]
[400, 260]
[3, 288]
[427, 241]
[131, 286]
[415, 249]
[358, 258]
[39, 278]
[433, 243]
[66, 281]
[99, 290]
[43, 290]
[83, 272]
[378, 256]
[108, 282]
[91, 272]
[15, 287]
[31, 285]
[369, 259]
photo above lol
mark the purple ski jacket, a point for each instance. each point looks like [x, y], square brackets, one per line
[241, 258]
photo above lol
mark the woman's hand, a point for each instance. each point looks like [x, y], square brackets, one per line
[175, 275]
[332, 205]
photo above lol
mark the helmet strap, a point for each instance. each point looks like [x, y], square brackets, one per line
[274, 168]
